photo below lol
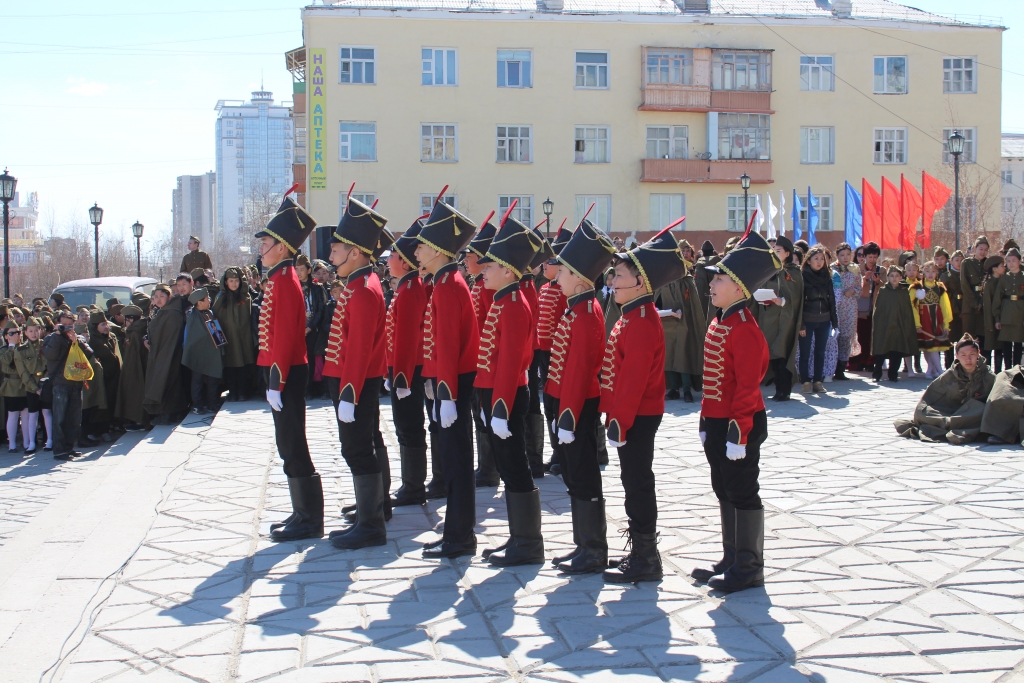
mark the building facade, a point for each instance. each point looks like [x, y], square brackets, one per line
[254, 155]
[26, 244]
[646, 111]
[194, 208]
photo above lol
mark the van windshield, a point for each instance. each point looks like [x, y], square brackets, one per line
[86, 296]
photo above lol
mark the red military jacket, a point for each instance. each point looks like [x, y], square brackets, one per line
[404, 329]
[552, 305]
[282, 327]
[506, 349]
[576, 355]
[450, 337]
[482, 299]
[355, 347]
[528, 286]
[633, 371]
[735, 361]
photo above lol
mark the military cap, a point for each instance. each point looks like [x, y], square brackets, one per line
[11, 325]
[749, 263]
[291, 225]
[659, 260]
[97, 317]
[981, 240]
[958, 252]
[116, 309]
[360, 227]
[785, 243]
[707, 249]
[446, 230]
[906, 256]
[384, 242]
[405, 246]
[587, 253]
[482, 240]
[1010, 244]
[562, 238]
[992, 262]
[132, 311]
[514, 246]
[939, 251]
[1013, 251]
[545, 253]
[198, 295]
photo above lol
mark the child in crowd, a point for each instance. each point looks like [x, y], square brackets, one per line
[897, 338]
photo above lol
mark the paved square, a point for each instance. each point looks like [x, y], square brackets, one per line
[886, 559]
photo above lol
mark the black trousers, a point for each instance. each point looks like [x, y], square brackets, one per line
[735, 481]
[550, 415]
[783, 377]
[456, 445]
[580, 471]
[407, 414]
[237, 380]
[895, 360]
[207, 384]
[534, 383]
[510, 454]
[1011, 353]
[636, 460]
[290, 424]
[358, 437]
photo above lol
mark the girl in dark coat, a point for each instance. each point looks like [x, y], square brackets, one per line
[202, 355]
[895, 335]
[132, 387]
[233, 309]
[819, 317]
[108, 355]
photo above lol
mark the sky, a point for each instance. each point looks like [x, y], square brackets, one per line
[110, 101]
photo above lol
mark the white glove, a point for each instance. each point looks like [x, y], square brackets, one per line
[274, 399]
[565, 436]
[734, 451]
[403, 393]
[500, 428]
[433, 411]
[387, 385]
[346, 412]
[703, 437]
[448, 414]
[483, 416]
[428, 389]
[616, 444]
[920, 294]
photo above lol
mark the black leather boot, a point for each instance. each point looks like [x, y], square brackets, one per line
[840, 371]
[593, 539]
[436, 488]
[535, 444]
[728, 516]
[748, 569]
[526, 545]
[370, 529]
[559, 559]
[486, 473]
[307, 520]
[414, 474]
[642, 564]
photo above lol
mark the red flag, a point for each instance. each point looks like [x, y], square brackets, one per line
[871, 206]
[890, 215]
[910, 211]
[936, 194]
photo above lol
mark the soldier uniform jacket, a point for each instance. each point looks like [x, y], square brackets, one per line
[576, 355]
[633, 369]
[450, 335]
[28, 359]
[1008, 306]
[404, 329]
[735, 362]
[972, 278]
[506, 349]
[282, 337]
[195, 259]
[355, 348]
[482, 299]
[552, 304]
[529, 289]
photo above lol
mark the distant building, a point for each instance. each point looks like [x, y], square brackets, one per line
[25, 241]
[1012, 191]
[194, 207]
[254, 153]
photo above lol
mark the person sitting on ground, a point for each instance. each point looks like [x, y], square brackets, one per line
[202, 355]
[953, 405]
[1003, 419]
[195, 258]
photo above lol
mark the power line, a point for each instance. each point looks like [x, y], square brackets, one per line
[136, 45]
[145, 14]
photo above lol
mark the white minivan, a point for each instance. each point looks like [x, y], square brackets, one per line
[99, 289]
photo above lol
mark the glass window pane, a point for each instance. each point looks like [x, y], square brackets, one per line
[451, 67]
[362, 53]
[369, 72]
[513, 74]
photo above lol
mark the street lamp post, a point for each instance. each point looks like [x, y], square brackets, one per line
[956, 148]
[549, 208]
[96, 217]
[7, 185]
[745, 184]
[137, 229]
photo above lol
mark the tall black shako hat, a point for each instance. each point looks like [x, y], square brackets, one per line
[659, 259]
[446, 230]
[482, 241]
[514, 246]
[291, 225]
[360, 226]
[587, 252]
[562, 238]
[750, 263]
[406, 244]
[545, 253]
[384, 242]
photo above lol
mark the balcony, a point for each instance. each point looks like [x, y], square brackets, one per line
[705, 171]
[705, 80]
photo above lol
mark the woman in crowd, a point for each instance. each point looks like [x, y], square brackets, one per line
[819, 318]
[31, 366]
[12, 388]
[233, 308]
[847, 286]
[779, 318]
[132, 388]
[108, 355]
[991, 347]
[315, 296]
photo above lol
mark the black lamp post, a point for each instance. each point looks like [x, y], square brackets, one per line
[137, 231]
[745, 184]
[7, 185]
[956, 148]
[96, 217]
[549, 208]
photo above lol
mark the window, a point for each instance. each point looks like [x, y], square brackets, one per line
[514, 144]
[673, 67]
[601, 216]
[741, 71]
[439, 67]
[734, 213]
[514, 69]
[969, 155]
[891, 75]
[824, 212]
[1007, 177]
[357, 65]
[890, 145]
[816, 73]
[666, 208]
[958, 75]
[667, 142]
[1008, 204]
[744, 136]
[367, 198]
[591, 69]
[523, 211]
[592, 145]
[816, 145]
[357, 141]
[427, 202]
[968, 212]
[437, 142]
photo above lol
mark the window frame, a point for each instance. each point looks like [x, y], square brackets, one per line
[885, 75]
[655, 226]
[685, 66]
[342, 143]
[499, 138]
[427, 202]
[505, 201]
[598, 65]
[736, 220]
[352, 60]
[595, 217]
[970, 134]
[672, 141]
[973, 71]
[607, 140]
[830, 69]
[1007, 177]
[822, 211]
[805, 144]
[503, 68]
[718, 71]
[367, 198]
[455, 143]
[1007, 204]
[874, 141]
[724, 137]
[445, 67]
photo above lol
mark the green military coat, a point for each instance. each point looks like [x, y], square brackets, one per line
[132, 390]
[1008, 307]
[28, 359]
[972, 278]
[1005, 406]
[781, 324]
[12, 386]
[951, 278]
[684, 336]
[952, 407]
[893, 330]
[988, 294]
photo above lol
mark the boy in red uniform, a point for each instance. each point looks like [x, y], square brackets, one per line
[449, 361]
[551, 303]
[282, 346]
[573, 390]
[535, 428]
[506, 349]
[733, 423]
[633, 394]
[354, 367]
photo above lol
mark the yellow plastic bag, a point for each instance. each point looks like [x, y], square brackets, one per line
[77, 369]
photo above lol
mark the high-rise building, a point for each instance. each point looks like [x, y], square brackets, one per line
[25, 241]
[195, 207]
[254, 154]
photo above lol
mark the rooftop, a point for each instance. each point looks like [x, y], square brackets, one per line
[1013, 145]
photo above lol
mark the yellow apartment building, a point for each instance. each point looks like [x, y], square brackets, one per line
[645, 109]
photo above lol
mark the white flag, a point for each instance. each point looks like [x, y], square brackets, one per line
[782, 212]
[759, 221]
[772, 213]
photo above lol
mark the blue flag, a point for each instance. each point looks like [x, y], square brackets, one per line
[812, 217]
[854, 217]
[797, 208]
